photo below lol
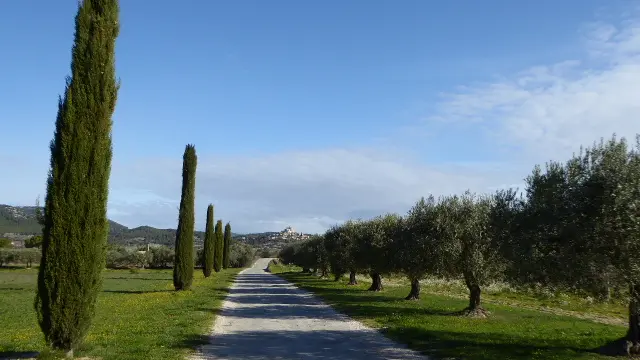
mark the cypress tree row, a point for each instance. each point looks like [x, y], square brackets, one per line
[75, 223]
[227, 244]
[183, 264]
[209, 244]
[218, 258]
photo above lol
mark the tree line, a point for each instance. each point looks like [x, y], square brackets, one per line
[575, 227]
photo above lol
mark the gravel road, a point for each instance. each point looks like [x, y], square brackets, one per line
[266, 317]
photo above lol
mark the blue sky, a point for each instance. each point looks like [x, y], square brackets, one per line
[308, 113]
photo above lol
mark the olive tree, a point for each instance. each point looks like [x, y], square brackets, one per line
[375, 250]
[464, 244]
[341, 245]
[416, 255]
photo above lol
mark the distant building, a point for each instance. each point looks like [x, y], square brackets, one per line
[17, 243]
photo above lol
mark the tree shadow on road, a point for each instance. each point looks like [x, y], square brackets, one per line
[369, 345]
[286, 345]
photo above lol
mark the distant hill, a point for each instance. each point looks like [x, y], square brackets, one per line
[21, 220]
[18, 221]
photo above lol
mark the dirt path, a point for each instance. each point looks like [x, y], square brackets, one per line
[266, 317]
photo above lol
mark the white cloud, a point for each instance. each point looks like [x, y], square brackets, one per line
[550, 110]
[307, 190]
[545, 112]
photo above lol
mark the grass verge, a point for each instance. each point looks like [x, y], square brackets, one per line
[428, 325]
[139, 315]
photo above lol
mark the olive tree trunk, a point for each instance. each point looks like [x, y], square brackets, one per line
[414, 294]
[376, 282]
[352, 278]
[633, 333]
[475, 306]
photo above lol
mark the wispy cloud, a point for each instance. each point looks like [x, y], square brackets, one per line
[549, 110]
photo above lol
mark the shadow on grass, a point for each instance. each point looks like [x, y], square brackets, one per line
[484, 346]
[18, 354]
[137, 291]
[13, 289]
[137, 278]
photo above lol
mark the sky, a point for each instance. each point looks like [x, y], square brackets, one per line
[306, 114]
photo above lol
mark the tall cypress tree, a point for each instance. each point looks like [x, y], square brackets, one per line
[218, 258]
[183, 264]
[227, 244]
[75, 223]
[209, 243]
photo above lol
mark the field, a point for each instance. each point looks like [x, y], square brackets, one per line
[511, 332]
[139, 315]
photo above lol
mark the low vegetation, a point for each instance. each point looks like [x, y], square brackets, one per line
[432, 325]
[138, 314]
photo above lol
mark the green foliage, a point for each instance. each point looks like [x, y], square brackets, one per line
[26, 257]
[416, 246]
[219, 247]
[377, 240]
[123, 258]
[226, 245]
[240, 254]
[464, 243]
[75, 216]
[341, 245]
[183, 264]
[33, 242]
[5, 243]
[161, 257]
[209, 244]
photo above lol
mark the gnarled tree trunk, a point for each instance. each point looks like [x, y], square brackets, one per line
[352, 278]
[474, 297]
[475, 307]
[633, 333]
[376, 282]
[414, 294]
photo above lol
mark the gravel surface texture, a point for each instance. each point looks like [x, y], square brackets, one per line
[266, 317]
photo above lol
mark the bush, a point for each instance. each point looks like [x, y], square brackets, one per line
[126, 259]
[161, 257]
[33, 242]
[5, 243]
[19, 256]
[241, 254]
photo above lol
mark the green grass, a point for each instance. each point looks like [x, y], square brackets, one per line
[429, 325]
[139, 315]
